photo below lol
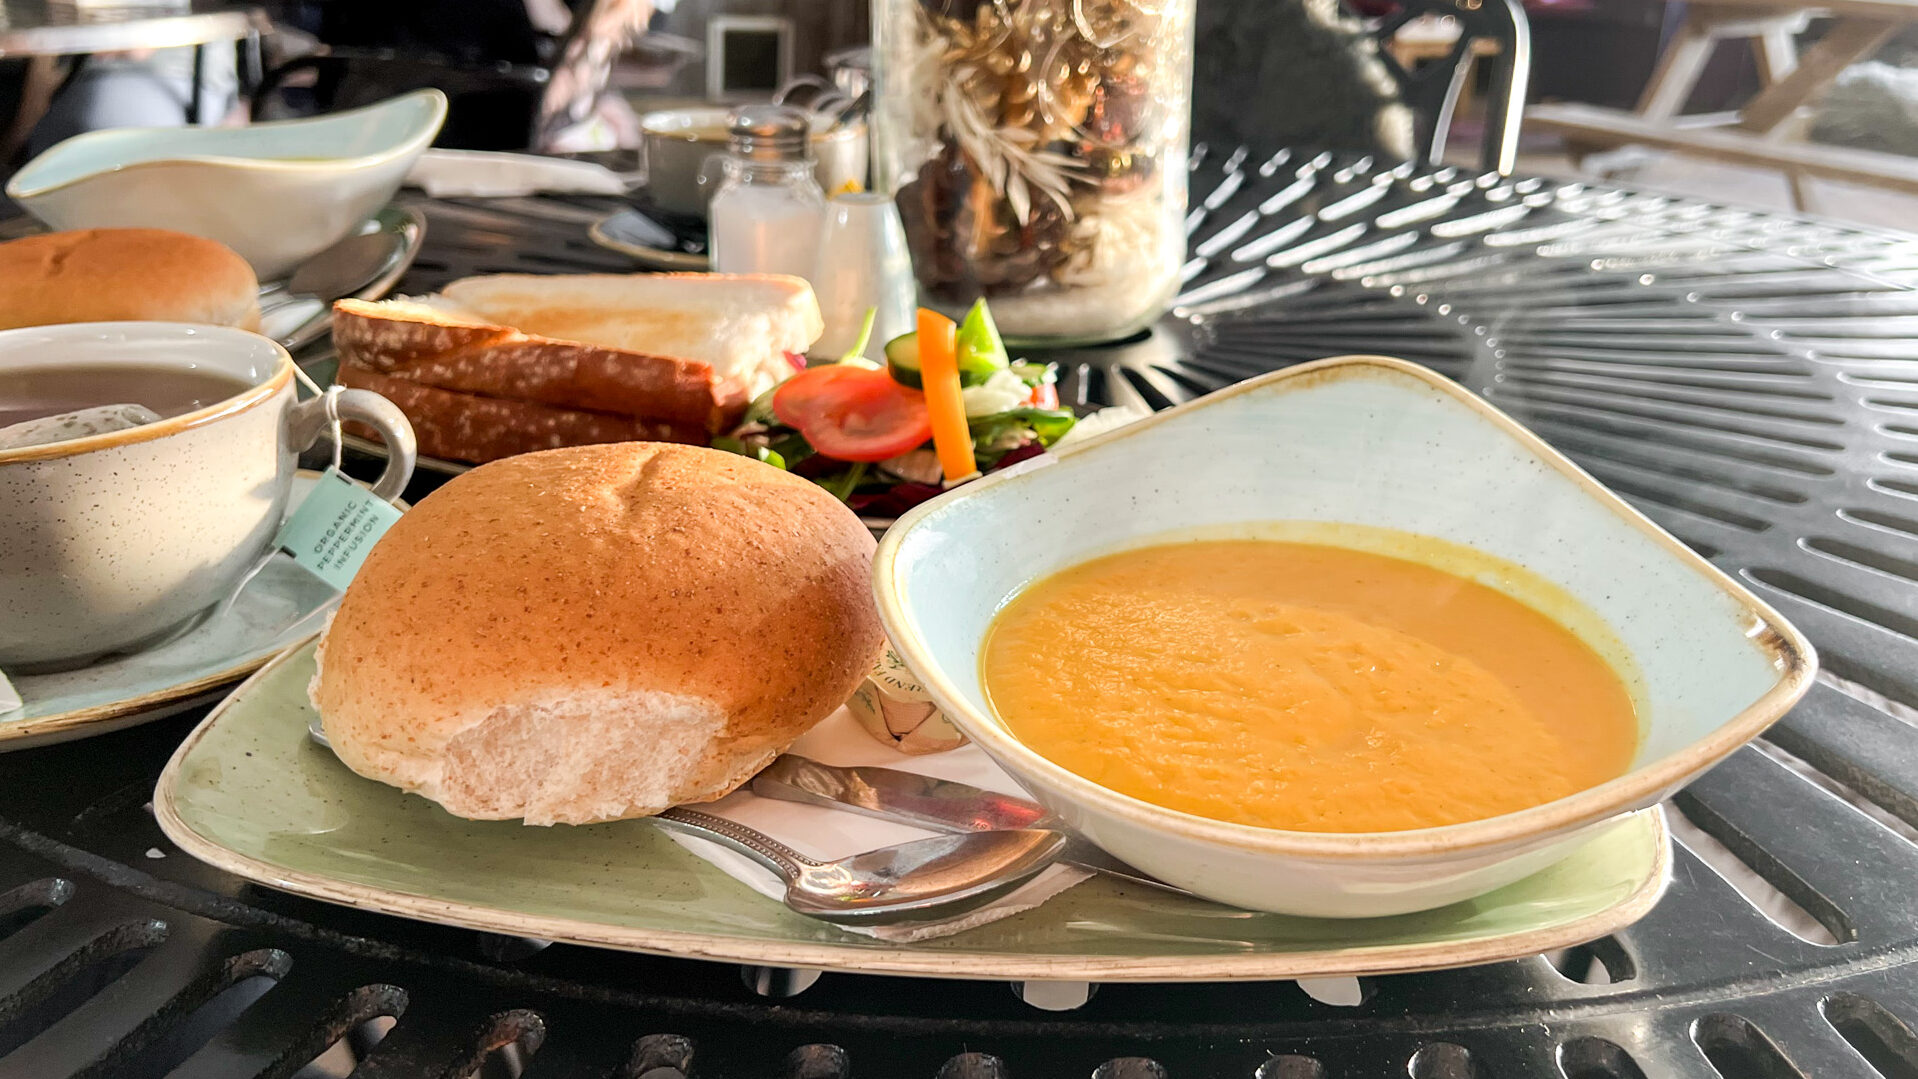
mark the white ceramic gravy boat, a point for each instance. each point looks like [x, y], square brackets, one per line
[278, 192]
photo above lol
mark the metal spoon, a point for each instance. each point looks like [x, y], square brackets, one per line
[926, 878]
[361, 263]
[939, 805]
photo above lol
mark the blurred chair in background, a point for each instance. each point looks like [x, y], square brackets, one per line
[149, 88]
[1314, 73]
[1766, 130]
[518, 74]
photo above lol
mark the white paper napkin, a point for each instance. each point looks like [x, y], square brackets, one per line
[833, 833]
[9, 696]
[453, 174]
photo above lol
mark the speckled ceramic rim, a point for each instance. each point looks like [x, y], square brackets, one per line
[134, 332]
[435, 116]
[905, 958]
[43, 727]
[1791, 654]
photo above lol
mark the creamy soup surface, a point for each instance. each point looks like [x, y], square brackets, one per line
[1304, 686]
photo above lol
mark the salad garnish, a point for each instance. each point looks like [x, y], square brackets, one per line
[939, 369]
[949, 404]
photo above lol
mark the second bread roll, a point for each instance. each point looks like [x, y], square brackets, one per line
[121, 275]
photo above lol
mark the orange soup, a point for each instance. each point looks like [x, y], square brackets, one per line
[1305, 687]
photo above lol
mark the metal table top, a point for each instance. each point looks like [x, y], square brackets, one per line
[1749, 380]
[44, 28]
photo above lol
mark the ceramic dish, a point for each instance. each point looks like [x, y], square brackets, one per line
[250, 793]
[633, 234]
[1380, 444]
[281, 606]
[277, 193]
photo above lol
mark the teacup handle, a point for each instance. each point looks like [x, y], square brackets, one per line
[309, 418]
[712, 171]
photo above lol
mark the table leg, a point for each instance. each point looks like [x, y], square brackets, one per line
[1777, 53]
[252, 63]
[36, 93]
[1678, 68]
[194, 92]
[1849, 41]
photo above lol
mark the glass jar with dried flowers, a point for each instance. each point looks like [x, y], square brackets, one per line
[1037, 150]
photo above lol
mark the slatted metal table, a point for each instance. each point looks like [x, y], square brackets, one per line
[1749, 380]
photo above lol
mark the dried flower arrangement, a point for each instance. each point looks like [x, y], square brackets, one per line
[1046, 143]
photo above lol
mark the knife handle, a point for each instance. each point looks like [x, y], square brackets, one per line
[940, 805]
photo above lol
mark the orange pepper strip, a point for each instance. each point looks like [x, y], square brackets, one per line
[939, 372]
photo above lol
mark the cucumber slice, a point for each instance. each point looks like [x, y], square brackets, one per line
[902, 359]
[981, 353]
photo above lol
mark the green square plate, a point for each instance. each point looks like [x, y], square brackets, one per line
[250, 794]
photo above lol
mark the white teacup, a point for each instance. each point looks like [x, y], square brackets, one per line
[680, 151]
[115, 540]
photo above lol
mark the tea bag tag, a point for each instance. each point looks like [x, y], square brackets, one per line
[332, 532]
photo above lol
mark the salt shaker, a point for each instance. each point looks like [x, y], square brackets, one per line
[766, 215]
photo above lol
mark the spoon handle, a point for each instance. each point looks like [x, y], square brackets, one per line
[758, 846]
[890, 794]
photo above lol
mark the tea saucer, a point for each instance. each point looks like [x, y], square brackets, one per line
[280, 607]
[631, 233]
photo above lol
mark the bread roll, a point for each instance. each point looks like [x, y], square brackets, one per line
[598, 632]
[121, 275]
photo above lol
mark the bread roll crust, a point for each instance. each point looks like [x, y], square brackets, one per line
[124, 275]
[598, 632]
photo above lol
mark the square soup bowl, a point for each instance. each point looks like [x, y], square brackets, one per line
[1379, 454]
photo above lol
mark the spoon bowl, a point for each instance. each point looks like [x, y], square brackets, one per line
[938, 877]
[943, 875]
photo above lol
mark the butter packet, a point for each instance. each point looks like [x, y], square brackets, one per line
[894, 708]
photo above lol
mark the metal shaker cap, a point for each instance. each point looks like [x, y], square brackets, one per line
[769, 133]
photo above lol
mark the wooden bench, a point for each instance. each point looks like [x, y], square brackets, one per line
[1769, 130]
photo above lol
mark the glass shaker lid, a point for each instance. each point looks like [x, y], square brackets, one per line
[769, 133]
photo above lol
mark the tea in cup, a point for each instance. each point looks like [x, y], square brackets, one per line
[161, 486]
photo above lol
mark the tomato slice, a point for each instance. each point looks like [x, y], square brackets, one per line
[853, 413]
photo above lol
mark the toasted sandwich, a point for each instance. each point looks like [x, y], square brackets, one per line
[505, 364]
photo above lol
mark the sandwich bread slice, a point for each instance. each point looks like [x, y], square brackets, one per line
[504, 364]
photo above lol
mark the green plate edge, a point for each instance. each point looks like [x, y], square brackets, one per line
[249, 793]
